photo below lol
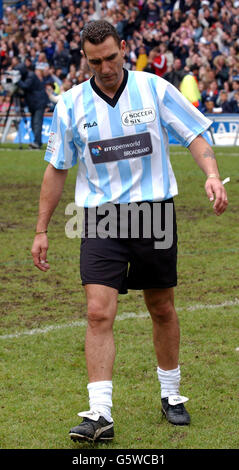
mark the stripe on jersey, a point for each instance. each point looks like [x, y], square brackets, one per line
[70, 160]
[146, 176]
[90, 187]
[123, 165]
[102, 171]
[164, 158]
[65, 154]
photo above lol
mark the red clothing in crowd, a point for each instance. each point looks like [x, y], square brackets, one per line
[160, 65]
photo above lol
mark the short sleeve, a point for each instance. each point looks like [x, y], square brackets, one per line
[61, 151]
[182, 119]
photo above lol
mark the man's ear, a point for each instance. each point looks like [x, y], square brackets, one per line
[82, 53]
[123, 46]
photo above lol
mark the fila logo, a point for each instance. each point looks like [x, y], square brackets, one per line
[89, 124]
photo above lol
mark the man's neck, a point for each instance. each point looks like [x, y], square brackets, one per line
[111, 91]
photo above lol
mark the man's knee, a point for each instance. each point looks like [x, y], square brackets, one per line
[101, 304]
[96, 312]
[101, 311]
[162, 311]
[160, 305]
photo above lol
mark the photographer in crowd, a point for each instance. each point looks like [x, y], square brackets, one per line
[36, 100]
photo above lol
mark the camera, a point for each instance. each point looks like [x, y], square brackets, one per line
[10, 80]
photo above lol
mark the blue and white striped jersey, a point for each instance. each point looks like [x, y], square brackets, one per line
[121, 145]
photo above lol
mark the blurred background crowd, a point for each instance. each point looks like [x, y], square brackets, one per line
[193, 44]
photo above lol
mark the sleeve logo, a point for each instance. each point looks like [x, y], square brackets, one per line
[51, 142]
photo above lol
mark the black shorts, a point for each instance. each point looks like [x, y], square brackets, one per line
[131, 262]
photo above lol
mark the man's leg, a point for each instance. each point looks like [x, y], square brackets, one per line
[100, 355]
[166, 337]
[99, 345]
[166, 334]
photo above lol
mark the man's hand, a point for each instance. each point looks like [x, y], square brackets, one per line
[39, 252]
[204, 156]
[50, 195]
[216, 191]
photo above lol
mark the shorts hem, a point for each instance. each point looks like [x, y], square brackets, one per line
[101, 283]
[130, 287]
[174, 284]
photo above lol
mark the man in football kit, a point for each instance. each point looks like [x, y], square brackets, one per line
[115, 125]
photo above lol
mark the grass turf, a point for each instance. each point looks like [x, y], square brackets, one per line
[43, 376]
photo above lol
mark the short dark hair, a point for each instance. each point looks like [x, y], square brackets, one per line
[97, 31]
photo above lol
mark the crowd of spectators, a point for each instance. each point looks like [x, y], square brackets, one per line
[171, 38]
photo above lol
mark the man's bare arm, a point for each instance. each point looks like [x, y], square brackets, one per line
[51, 190]
[204, 156]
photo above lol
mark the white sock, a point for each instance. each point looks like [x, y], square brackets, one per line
[169, 381]
[100, 398]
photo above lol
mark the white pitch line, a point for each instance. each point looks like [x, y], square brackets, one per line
[38, 331]
[123, 316]
[227, 303]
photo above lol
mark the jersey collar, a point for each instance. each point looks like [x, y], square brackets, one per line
[112, 101]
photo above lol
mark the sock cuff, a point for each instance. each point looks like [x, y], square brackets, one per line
[100, 384]
[169, 373]
[169, 381]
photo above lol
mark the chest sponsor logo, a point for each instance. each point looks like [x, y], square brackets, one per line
[121, 148]
[139, 116]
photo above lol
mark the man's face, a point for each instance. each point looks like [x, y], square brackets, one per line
[210, 106]
[177, 64]
[235, 85]
[223, 97]
[105, 61]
